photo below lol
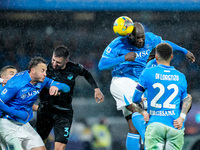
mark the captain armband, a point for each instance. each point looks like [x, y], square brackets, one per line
[140, 88]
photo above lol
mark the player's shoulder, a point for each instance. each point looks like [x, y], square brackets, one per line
[19, 79]
[149, 35]
[73, 65]
[151, 63]
[118, 40]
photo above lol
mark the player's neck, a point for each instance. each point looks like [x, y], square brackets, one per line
[33, 82]
[163, 63]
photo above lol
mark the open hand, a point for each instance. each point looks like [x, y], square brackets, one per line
[98, 95]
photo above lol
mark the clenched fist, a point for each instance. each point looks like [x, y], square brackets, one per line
[130, 56]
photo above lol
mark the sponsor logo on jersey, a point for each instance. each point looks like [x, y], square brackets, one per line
[4, 91]
[162, 113]
[142, 53]
[29, 94]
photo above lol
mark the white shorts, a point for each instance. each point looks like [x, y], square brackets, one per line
[122, 89]
[3, 145]
[18, 135]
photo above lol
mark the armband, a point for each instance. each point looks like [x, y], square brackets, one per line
[182, 115]
[140, 88]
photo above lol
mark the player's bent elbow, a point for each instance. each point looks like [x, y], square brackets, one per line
[100, 66]
[190, 97]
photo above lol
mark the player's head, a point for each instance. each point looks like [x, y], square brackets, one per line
[60, 57]
[137, 36]
[8, 72]
[164, 52]
[37, 67]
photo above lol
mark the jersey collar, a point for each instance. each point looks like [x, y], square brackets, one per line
[167, 67]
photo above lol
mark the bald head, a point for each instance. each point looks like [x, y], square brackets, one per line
[138, 28]
[137, 37]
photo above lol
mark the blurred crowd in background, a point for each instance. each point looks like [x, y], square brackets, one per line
[22, 39]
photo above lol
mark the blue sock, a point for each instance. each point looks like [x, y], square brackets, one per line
[132, 141]
[139, 124]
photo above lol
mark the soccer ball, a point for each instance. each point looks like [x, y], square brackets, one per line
[123, 26]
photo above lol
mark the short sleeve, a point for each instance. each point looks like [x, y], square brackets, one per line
[184, 88]
[142, 80]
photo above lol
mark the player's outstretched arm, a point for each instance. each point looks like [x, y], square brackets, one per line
[98, 95]
[187, 53]
[187, 102]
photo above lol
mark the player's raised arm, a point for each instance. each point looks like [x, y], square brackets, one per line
[189, 55]
[55, 87]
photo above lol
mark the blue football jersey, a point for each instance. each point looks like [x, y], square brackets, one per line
[20, 94]
[117, 50]
[1, 87]
[151, 63]
[167, 88]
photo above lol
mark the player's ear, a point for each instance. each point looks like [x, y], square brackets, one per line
[172, 56]
[67, 60]
[32, 70]
[156, 56]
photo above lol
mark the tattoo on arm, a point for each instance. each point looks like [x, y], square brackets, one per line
[137, 108]
[187, 102]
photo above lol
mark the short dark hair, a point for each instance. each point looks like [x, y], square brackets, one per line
[35, 61]
[7, 67]
[61, 51]
[164, 50]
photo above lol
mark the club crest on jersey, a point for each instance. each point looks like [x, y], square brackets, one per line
[70, 76]
[23, 96]
[147, 46]
[53, 78]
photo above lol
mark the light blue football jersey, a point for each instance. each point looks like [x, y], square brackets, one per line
[21, 94]
[117, 50]
[1, 87]
[151, 63]
[114, 55]
[167, 87]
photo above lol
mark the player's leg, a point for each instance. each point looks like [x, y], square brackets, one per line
[139, 124]
[10, 132]
[122, 90]
[31, 140]
[44, 122]
[175, 139]
[3, 145]
[62, 128]
[155, 136]
[132, 140]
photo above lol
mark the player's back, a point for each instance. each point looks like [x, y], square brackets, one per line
[166, 87]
